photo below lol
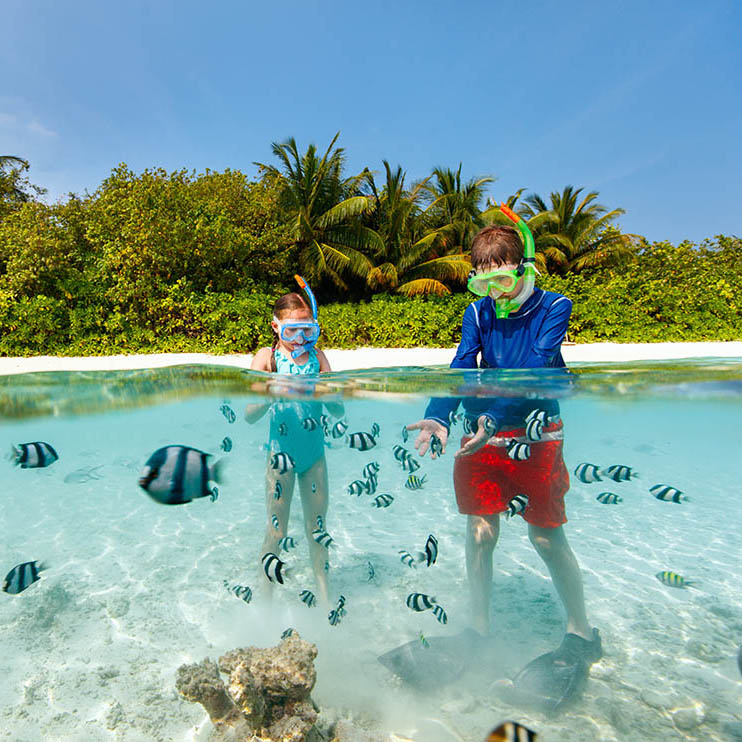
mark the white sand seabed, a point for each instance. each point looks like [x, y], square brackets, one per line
[365, 358]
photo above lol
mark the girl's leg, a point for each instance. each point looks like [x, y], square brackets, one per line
[313, 489]
[276, 527]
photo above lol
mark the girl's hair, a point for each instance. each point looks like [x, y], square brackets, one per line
[287, 303]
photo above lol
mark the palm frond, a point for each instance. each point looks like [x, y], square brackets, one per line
[423, 286]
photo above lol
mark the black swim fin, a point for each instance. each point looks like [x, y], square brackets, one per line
[552, 680]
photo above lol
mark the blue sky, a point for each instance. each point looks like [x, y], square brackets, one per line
[639, 101]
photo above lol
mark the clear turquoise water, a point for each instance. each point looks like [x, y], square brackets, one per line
[134, 588]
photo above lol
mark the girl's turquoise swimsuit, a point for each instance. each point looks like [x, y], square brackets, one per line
[288, 433]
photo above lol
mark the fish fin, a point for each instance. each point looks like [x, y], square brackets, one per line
[218, 470]
[685, 499]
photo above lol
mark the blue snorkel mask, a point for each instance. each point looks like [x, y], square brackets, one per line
[305, 332]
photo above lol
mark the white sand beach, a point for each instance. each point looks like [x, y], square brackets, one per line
[358, 358]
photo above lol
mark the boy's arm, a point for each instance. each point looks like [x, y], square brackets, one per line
[439, 408]
[547, 345]
[551, 334]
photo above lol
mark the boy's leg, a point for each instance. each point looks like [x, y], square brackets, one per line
[482, 532]
[314, 497]
[551, 545]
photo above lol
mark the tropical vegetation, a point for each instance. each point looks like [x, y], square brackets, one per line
[158, 261]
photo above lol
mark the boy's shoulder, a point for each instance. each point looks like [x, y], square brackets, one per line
[539, 300]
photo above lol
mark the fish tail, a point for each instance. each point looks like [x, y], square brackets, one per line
[14, 454]
[218, 470]
[421, 556]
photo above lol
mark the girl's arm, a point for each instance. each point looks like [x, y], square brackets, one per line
[260, 362]
[336, 409]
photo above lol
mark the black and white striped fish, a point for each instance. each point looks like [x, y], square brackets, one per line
[400, 453]
[371, 485]
[405, 434]
[468, 430]
[375, 430]
[287, 633]
[534, 430]
[358, 487]
[516, 505]
[320, 522]
[414, 482]
[274, 568]
[287, 542]
[307, 597]
[668, 494]
[489, 425]
[541, 415]
[22, 576]
[370, 469]
[243, 592]
[440, 614]
[338, 429]
[228, 413]
[588, 473]
[36, 455]
[283, 429]
[410, 464]
[278, 491]
[324, 421]
[334, 617]
[453, 418]
[511, 731]
[226, 444]
[406, 558]
[175, 475]
[275, 522]
[361, 441]
[309, 423]
[282, 462]
[436, 445]
[431, 550]
[322, 537]
[383, 501]
[420, 602]
[518, 451]
[619, 473]
[609, 498]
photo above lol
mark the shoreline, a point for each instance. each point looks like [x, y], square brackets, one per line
[366, 358]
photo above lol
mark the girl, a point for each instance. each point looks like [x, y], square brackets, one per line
[296, 430]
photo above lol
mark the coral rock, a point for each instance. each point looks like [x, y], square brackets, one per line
[267, 696]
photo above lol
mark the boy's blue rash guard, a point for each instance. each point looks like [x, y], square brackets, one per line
[530, 338]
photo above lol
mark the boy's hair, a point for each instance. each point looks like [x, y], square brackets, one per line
[496, 245]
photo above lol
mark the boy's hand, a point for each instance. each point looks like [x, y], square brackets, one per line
[477, 441]
[427, 428]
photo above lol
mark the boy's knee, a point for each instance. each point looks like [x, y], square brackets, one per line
[544, 541]
[483, 532]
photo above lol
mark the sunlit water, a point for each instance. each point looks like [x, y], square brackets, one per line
[134, 589]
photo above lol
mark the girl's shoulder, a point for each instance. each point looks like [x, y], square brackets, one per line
[262, 360]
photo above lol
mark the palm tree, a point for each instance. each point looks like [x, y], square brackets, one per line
[323, 210]
[455, 209]
[410, 263]
[574, 235]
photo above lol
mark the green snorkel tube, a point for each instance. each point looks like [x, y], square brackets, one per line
[526, 269]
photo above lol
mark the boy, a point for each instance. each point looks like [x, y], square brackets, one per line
[513, 326]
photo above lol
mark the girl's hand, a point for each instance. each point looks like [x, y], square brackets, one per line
[427, 428]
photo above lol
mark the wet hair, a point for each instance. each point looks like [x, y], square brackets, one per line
[288, 303]
[496, 245]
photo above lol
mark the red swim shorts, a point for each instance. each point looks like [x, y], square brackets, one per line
[488, 479]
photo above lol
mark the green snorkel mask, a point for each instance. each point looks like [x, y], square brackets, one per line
[503, 281]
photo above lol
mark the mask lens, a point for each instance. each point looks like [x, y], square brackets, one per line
[308, 333]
